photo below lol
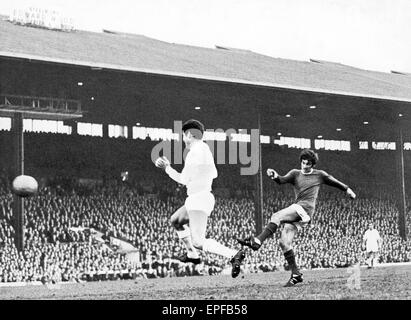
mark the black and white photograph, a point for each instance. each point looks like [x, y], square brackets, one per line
[221, 152]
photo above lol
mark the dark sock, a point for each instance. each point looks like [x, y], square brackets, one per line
[268, 231]
[290, 257]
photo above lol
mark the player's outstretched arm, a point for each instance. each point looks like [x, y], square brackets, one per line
[288, 178]
[351, 193]
[164, 163]
[331, 181]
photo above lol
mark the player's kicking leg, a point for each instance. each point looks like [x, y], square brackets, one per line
[287, 236]
[179, 220]
[198, 225]
[288, 214]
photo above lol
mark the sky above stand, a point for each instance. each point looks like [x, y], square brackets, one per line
[368, 34]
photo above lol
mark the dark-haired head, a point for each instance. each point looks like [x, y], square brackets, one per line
[195, 127]
[310, 156]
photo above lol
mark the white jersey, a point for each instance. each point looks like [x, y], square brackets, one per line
[372, 237]
[199, 169]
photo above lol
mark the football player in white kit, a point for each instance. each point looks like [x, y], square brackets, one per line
[190, 221]
[372, 244]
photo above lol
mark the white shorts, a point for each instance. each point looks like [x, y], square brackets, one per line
[202, 201]
[305, 218]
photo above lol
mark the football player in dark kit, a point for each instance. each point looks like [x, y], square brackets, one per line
[306, 182]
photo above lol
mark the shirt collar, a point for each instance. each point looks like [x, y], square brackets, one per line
[311, 171]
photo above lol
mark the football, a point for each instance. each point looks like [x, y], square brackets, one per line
[24, 186]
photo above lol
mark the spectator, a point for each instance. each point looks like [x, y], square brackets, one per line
[54, 252]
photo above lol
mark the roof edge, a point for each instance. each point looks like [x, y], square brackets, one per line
[401, 73]
[99, 66]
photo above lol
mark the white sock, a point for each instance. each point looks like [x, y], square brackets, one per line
[212, 246]
[257, 240]
[192, 253]
[185, 237]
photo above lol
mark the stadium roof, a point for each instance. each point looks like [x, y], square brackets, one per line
[137, 53]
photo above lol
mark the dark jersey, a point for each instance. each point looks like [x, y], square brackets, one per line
[307, 185]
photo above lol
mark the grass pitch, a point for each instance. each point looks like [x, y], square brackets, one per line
[389, 282]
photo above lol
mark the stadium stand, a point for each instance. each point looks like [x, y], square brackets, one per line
[79, 175]
[131, 211]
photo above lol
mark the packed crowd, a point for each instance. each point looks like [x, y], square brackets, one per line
[56, 249]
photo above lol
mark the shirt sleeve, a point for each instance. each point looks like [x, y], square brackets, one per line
[190, 168]
[197, 163]
[331, 181]
[187, 172]
[209, 165]
[174, 174]
[288, 178]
